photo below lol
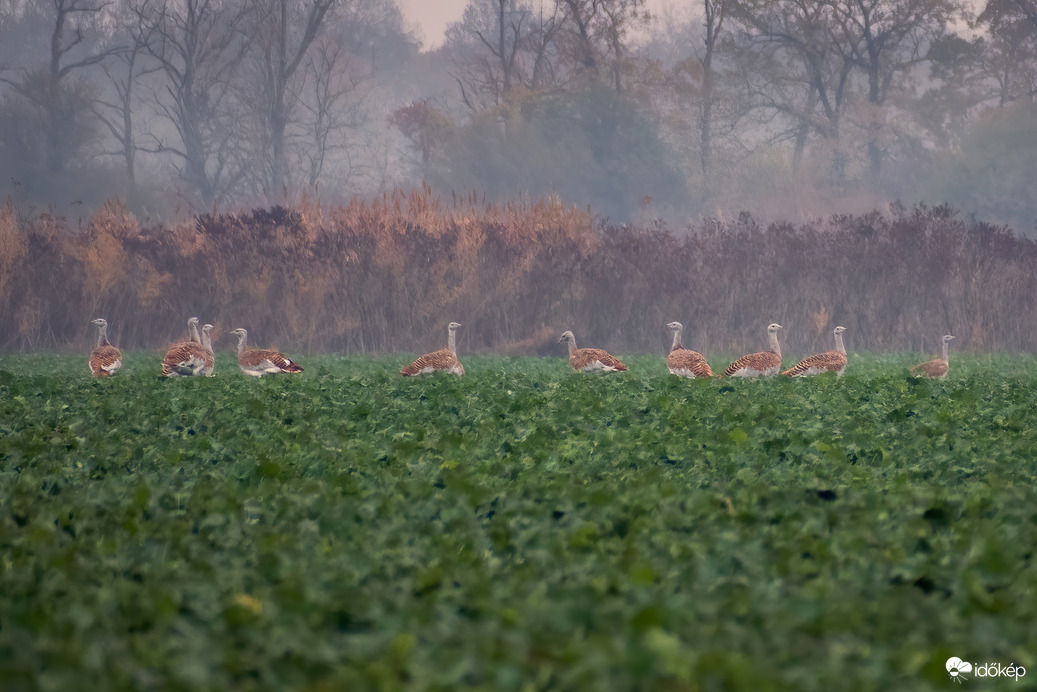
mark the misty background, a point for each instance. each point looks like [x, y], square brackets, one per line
[783, 108]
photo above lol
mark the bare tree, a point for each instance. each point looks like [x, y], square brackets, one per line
[886, 39]
[542, 44]
[69, 52]
[332, 80]
[713, 25]
[200, 45]
[284, 31]
[598, 34]
[117, 114]
[488, 46]
[790, 68]
[1029, 10]
[1007, 57]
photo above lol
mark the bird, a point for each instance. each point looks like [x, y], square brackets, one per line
[590, 359]
[259, 361]
[937, 367]
[829, 361]
[763, 363]
[105, 359]
[192, 331]
[443, 360]
[186, 358]
[210, 363]
[683, 361]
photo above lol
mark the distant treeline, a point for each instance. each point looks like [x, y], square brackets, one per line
[389, 274]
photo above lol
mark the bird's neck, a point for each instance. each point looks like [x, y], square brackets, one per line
[102, 336]
[572, 346]
[192, 328]
[451, 341]
[206, 341]
[773, 336]
[676, 340]
[839, 344]
[242, 338]
[945, 352]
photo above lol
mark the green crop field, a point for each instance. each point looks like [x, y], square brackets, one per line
[520, 528]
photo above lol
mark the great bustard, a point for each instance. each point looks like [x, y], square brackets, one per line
[683, 361]
[937, 367]
[187, 358]
[590, 359]
[829, 361]
[210, 364]
[105, 359]
[259, 361]
[762, 363]
[443, 360]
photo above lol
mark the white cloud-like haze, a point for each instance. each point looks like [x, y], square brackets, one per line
[433, 16]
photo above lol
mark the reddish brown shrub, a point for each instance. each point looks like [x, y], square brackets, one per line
[389, 273]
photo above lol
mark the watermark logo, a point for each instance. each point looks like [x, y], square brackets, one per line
[958, 670]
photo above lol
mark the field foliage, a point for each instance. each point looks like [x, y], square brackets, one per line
[523, 527]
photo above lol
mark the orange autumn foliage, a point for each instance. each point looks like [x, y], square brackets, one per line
[387, 273]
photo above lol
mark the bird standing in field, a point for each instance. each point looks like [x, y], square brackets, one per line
[259, 361]
[209, 369]
[105, 359]
[684, 362]
[763, 363]
[829, 361]
[192, 332]
[937, 367]
[590, 359]
[443, 360]
[187, 358]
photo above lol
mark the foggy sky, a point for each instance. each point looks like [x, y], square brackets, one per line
[433, 16]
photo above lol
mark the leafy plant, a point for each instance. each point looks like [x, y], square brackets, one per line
[522, 525]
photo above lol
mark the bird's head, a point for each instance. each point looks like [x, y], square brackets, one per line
[566, 336]
[773, 328]
[99, 322]
[674, 326]
[840, 330]
[453, 326]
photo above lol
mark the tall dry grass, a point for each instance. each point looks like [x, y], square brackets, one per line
[388, 274]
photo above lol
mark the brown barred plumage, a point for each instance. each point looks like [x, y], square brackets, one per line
[938, 367]
[829, 361]
[443, 360]
[590, 359]
[762, 363]
[105, 359]
[260, 361]
[187, 359]
[683, 361]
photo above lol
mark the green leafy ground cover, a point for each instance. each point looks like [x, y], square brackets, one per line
[522, 527]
